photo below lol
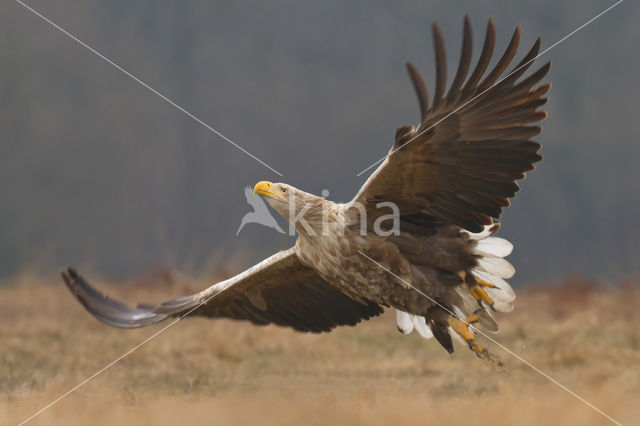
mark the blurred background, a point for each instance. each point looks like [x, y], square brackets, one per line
[98, 172]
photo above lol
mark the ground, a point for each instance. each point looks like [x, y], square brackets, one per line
[224, 372]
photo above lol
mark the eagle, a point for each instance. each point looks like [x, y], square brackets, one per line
[418, 237]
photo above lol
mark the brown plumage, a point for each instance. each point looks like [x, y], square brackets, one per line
[448, 178]
[260, 295]
[462, 169]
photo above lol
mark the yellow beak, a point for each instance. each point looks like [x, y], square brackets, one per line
[266, 189]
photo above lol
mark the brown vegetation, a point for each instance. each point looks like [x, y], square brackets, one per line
[225, 372]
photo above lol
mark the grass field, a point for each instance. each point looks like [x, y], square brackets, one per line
[223, 372]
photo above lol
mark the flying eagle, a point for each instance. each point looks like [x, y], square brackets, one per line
[441, 268]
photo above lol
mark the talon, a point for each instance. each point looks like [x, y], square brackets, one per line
[476, 348]
[485, 283]
[462, 328]
[480, 295]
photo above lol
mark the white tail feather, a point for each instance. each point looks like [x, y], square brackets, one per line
[404, 322]
[407, 322]
[496, 266]
[501, 306]
[492, 268]
[494, 246]
[421, 327]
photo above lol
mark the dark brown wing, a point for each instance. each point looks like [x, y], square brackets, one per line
[461, 163]
[278, 290]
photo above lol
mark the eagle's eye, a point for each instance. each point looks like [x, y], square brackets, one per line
[284, 190]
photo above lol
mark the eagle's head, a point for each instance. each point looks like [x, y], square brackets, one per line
[297, 206]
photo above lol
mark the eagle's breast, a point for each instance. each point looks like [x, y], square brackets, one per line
[342, 256]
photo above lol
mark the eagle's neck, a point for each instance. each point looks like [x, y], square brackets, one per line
[320, 237]
[316, 218]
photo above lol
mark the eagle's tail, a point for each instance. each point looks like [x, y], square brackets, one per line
[484, 290]
[487, 282]
[407, 323]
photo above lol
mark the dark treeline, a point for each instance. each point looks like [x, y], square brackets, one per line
[97, 171]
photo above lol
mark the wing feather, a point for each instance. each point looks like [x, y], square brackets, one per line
[503, 63]
[483, 61]
[460, 165]
[441, 65]
[278, 290]
[420, 88]
[464, 64]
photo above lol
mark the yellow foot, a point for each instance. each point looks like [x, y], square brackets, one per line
[480, 294]
[462, 328]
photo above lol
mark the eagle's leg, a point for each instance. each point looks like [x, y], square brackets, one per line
[480, 294]
[462, 328]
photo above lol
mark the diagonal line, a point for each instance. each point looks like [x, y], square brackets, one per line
[492, 86]
[145, 85]
[120, 358]
[536, 369]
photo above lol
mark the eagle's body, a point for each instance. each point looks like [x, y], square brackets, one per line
[434, 258]
[338, 257]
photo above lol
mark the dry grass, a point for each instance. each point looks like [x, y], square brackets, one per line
[223, 372]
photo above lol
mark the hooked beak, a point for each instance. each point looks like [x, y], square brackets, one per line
[266, 189]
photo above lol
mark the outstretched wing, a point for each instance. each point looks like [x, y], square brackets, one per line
[459, 166]
[278, 290]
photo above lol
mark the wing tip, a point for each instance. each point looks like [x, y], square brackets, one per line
[71, 278]
[104, 308]
[466, 22]
[517, 31]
